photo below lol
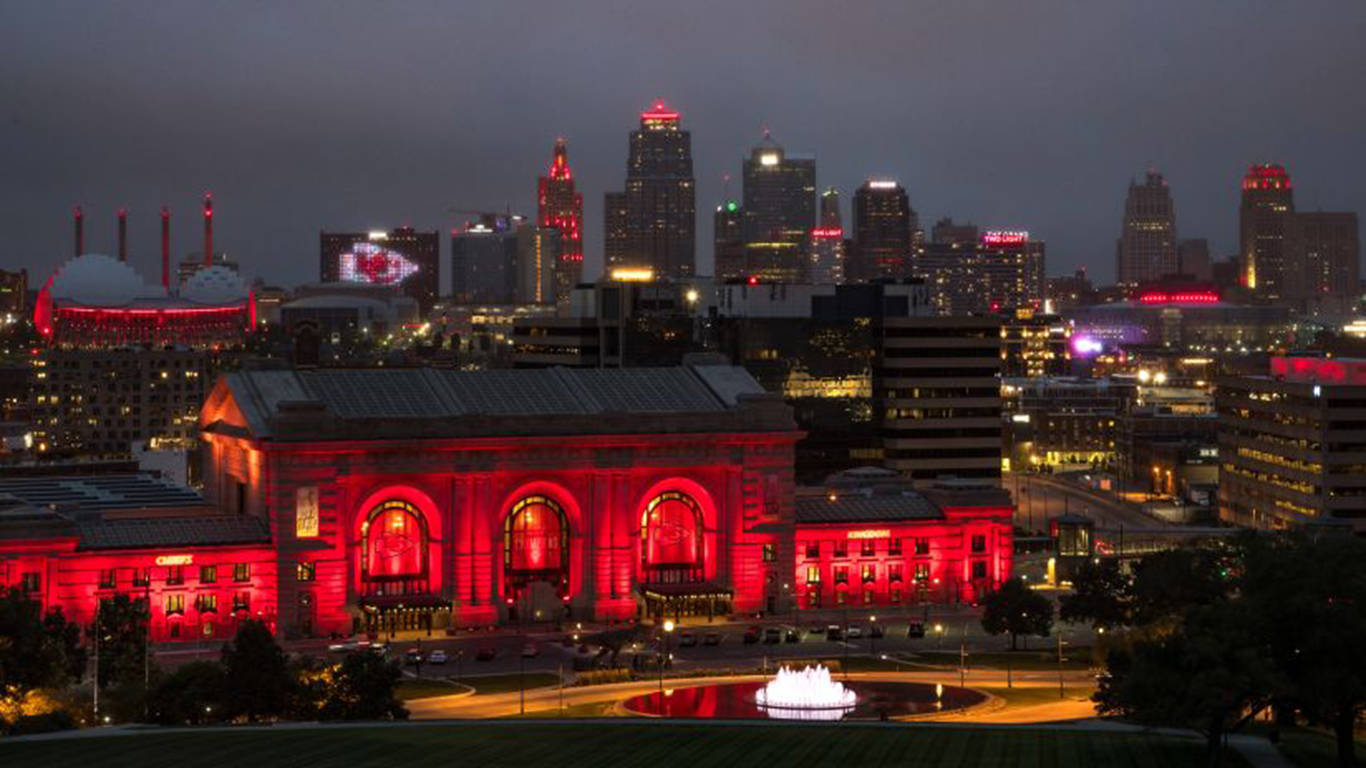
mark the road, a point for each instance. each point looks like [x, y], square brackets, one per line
[1040, 497]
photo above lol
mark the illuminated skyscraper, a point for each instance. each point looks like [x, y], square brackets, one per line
[1146, 250]
[660, 217]
[779, 212]
[1267, 201]
[728, 242]
[884, 227]
[614, 230]
[828, 245]
[561, 207]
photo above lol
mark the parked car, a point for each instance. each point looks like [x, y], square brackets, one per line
[855, 632]
[773, 635]
[413, 656]
[712, 638]
[530, 651]
[792, 636]
[437, 657]
[833, 632]
[751, 635]
[915, 629]
[686, 640]
[875, 631]
[487, 653]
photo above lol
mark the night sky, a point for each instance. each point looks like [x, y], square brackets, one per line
[305, 115]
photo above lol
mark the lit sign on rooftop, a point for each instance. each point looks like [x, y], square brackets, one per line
[881, 184]
[827, 233]
[768, 158]
[871, 533]
[633, 275]
[1179, 297]
[1005, 237]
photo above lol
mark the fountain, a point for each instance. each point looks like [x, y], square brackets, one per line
[805, 694]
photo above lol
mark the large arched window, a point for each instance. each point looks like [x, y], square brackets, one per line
[671, 538]
[394, 545]
[536, 541]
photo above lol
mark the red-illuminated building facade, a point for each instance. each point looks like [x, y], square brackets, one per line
[426, 498]
[560, 206]
[877, 543]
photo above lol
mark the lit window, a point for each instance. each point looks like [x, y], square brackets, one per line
[306, 571]
[241, 572]
[208, 574]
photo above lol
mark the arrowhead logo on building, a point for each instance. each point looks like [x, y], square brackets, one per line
[371, 263]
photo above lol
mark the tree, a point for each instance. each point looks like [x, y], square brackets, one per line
[1309, 591]
[363, 687]
[259, 680]
[1206, 674]
[1169, 583]
[124, 668]
[1100, 595]
[193, 694]
[36, 651]
[1017, 609]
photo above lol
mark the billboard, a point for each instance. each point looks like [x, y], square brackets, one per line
[374, 263]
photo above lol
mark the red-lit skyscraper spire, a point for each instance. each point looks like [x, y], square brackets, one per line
[208, 229]
[561, 207]
[80, 231]
[123, 234]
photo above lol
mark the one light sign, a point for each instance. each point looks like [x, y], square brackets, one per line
[871, 533]
[174, 560]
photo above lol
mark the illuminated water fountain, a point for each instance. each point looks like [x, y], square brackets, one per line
[805, 694]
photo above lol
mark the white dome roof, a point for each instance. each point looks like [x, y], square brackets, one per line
[97, 280]
[214, 285]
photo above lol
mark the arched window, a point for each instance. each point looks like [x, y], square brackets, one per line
[394, 543]
[536, 540]
[671, 538]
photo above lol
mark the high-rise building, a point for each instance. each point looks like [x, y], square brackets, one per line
[484, 260]
[779, 212]
[728, 242]
[884, 227]
[615, 234]
[1146, 250]
[659, 221]
[403, 258]
[13, 292]
[828, 244]
[970, 274]
[560, 205]
[1193, 256]
[1267, 201]
[1290, 444]
[539, 260]
[1324, 256]
[939, 391]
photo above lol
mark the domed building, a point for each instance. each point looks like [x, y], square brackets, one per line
[94, 300]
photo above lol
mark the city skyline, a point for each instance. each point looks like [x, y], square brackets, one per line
[1059, 167]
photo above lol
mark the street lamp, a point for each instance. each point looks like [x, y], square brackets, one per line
[668, 630]
[872, 634]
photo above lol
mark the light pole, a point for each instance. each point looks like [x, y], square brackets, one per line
[872, 635]
[668, 630]
[1060, 690]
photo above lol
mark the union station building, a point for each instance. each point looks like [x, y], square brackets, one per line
[341, 501]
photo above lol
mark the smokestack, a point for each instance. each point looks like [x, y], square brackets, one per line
[123, 234]
[208, 229]
[165, 248]
[80, 231]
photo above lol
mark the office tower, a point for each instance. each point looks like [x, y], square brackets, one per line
[539, 257]
[615, 232]
[1193, 256]
[728, 242]
[403, 258]
[1289, 444]
[884, 226]
[778, 213]
[659, 220]
[939, 391]
[13, 292]
[561, 206]
[1323, 257]
[828, 244]
[1146, 250]
[973, 274]
[484, 260]
[1267, 200]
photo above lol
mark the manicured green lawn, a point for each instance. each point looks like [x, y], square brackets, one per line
[1073, 658]
[510, 682]
[425, 688]
[523, 743]
[1312, 747]
[1026, 697]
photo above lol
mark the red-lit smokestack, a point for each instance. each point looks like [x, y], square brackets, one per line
[123, 234]
[80, 231]
[165, 248]
[208, 229]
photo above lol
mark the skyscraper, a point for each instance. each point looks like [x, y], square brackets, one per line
[728, 242]
[972, 273]
[1146, 250]
[1193, 256]
[1323, 258]
[884, 225]
[614, 230]
[561, 206]
[779, 212]
[660, 217]
[828, 245]
[1267, 200]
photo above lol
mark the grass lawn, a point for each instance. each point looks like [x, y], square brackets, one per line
[595, 709]
[510, 682]
[1027, 697]
[1311, 747]
[425, 688]
[1073, 658]
[617, 745]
